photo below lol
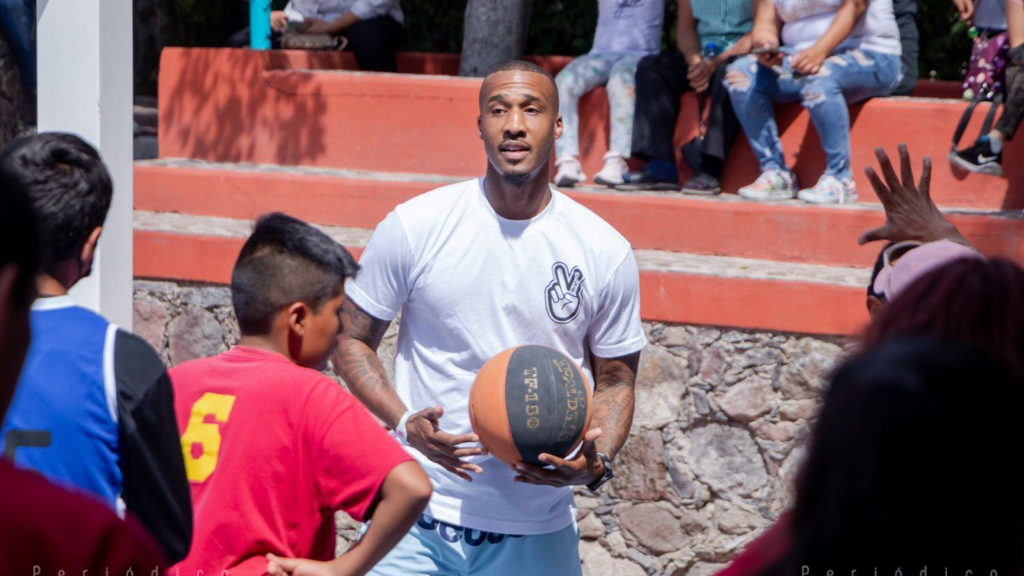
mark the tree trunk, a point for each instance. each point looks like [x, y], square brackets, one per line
[12, 105]
[495, 32]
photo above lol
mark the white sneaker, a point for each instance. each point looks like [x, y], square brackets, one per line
[771, 185]
[614, 171]
[830, 190]
[570, 172]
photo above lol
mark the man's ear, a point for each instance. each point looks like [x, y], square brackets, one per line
[480, 127]
[298, 317]
[875, 306]
[558, 127]
[88, 253]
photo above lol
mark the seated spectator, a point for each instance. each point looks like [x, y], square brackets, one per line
[897, 435]
[833, 53]
[985, 155]
[710, 34]
[626, 32]
[373, 28]
[45, 529]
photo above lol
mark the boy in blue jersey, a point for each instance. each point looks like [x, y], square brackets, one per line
[94, 410]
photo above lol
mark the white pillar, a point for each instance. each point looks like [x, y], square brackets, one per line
[85, 87]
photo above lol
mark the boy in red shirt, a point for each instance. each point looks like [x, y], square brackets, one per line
[272, 446]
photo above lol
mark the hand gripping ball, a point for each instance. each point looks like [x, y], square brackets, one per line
[530, 400]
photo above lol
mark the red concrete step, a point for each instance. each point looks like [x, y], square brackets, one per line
[228, 105]
[728, 226]
[678, 288]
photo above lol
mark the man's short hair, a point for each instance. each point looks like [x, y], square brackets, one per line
[68, 185]
[19, 236]
[286, 260]
[524, 66]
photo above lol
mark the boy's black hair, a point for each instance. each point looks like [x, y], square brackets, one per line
[68, 185]
[19, 236]
[285, 260]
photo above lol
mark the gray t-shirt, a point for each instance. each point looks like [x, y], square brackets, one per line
[625, 26]
[990, 14]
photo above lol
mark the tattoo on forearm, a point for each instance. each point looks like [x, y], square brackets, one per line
[614, 401]
[357, 362]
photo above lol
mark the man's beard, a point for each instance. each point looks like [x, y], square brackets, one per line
[516, 179]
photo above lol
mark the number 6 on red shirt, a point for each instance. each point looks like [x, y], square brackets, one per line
[201, 441]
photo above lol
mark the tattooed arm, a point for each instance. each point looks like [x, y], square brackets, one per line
[357, 362]
[614, 397]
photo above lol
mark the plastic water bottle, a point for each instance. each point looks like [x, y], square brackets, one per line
[711, 50]
[259, 24]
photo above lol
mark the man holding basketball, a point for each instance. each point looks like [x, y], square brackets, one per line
[476, 268]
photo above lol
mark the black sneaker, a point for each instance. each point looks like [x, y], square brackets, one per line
[978, 157]
[643, 180]
[702, 184]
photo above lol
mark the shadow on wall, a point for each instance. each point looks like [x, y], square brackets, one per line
[218, 105]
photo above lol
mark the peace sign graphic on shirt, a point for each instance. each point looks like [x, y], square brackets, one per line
[563, 293]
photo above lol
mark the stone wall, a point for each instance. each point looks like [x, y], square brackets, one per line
[721, 422]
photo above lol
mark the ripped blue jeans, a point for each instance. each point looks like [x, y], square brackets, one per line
[845, 78]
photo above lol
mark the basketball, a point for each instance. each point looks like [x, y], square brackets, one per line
[530, 400]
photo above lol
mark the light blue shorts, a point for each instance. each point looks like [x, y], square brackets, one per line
[434, 548]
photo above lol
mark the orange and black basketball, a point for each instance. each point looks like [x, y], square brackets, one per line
[530, 400]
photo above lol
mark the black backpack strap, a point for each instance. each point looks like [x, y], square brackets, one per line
[986, 127]
[962, 126]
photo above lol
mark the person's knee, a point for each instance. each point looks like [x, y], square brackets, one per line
[818, 90]
[570, 86]
[740, 75]
[824, 86]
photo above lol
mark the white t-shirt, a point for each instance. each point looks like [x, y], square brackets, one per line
[805, 21]
[471, 284]
[329, 10]
[625, 26]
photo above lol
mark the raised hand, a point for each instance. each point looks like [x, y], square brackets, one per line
[423, 432]
[564, 293]
[585, 468]
[910, 213]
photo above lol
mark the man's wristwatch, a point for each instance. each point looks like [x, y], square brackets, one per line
[608, 474]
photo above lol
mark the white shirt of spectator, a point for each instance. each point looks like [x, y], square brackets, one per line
[470, 284]
[628, 26]
[328, 10]
[805, 21]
